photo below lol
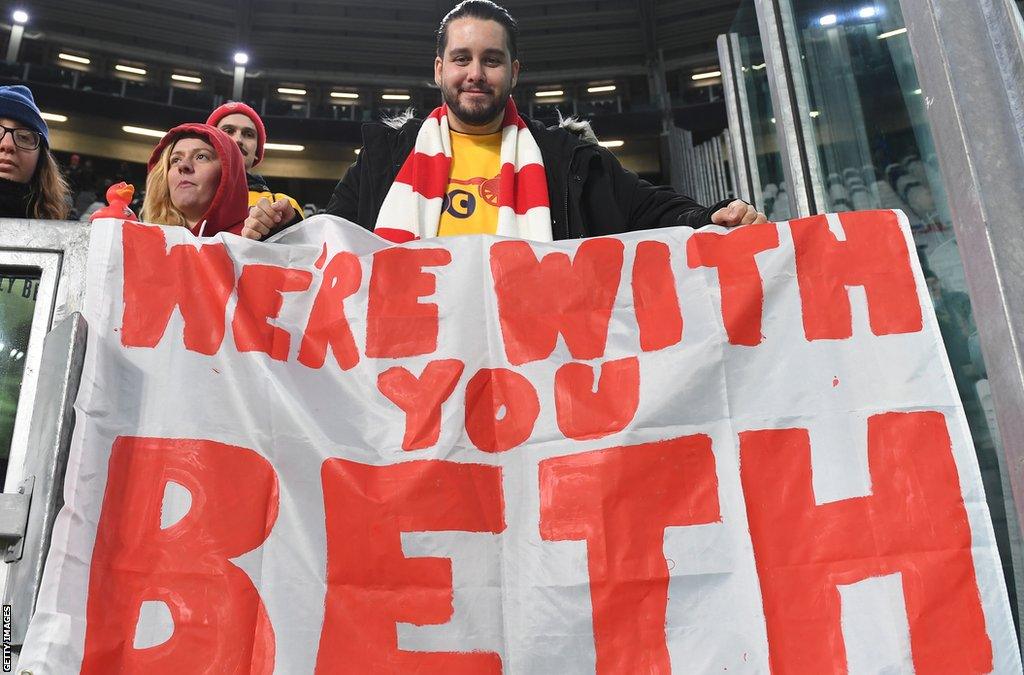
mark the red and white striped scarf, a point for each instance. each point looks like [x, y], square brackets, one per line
[412, 206]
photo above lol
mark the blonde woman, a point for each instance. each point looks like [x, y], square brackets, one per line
[31, 184]
[197, 180]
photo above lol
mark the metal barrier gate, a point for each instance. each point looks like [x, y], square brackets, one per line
[42, 290]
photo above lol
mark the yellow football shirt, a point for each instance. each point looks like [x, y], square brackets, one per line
[471, 203]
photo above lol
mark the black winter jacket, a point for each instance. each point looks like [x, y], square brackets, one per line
[590, 193]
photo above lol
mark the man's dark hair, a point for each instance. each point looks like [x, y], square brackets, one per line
[485, 10]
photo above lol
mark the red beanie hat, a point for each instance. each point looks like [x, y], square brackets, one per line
[239, 108]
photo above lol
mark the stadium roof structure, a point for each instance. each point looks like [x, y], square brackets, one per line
[383, 41]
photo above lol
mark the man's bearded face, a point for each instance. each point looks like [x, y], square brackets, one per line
[476, 74]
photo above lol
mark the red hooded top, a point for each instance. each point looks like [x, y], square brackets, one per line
[230, 205]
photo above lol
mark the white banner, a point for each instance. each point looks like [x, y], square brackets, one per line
[718, 451]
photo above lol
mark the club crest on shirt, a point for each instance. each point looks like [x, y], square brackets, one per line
[460, 203]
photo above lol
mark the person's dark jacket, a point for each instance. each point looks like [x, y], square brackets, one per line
[590, 193]
[14, 198]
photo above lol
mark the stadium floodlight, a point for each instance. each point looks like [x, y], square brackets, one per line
[73, 58]
[891, 33]
[828, 20]
[287, 147]
[129, 69]
[611, 144]
[143, 131]
[706, 76]
[241, 58]
[20, 18]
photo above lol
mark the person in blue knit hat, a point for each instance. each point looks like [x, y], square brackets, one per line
[31, 184]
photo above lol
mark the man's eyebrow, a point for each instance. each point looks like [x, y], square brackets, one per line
[464, 51]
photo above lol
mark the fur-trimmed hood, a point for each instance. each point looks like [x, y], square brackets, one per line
[578, 127]
[400, 120]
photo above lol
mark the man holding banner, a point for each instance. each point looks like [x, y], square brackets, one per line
[476, 166]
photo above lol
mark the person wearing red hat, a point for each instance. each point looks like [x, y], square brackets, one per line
[245, 127]
[197, 180]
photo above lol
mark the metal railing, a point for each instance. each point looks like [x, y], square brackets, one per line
[707, 171]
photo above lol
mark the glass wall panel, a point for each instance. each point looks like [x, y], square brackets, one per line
[18, 289]
[771, 196]
[866, 117]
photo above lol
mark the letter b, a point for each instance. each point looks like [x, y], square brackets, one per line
[220, 623]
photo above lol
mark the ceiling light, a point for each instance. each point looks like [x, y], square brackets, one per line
[828, 20]
[706, 76]
[395, 97]
[53, 117]
[358, 150]
[892, 33]
[287, 147]
[611, 144]
[20, 16]
[760, 66]
[241, 58]
[191, 79]
[598, 89]
[291, 92]
[130, 69]
[550, 92]
[815, 113]
[74, 59]
[916, 92]
[867, 12]
[143, 131]
[344, 94]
